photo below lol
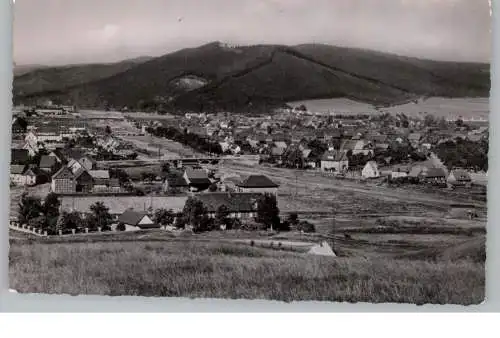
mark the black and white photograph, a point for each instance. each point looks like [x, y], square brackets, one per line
[278, 150]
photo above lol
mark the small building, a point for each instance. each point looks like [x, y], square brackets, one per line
[84, 182]
[257, 184]
[175, 183]
[335, 161]
[399, 172]
[196, 179]
[48, 164]
[19, 156]
[370, 170]
[434, 176]
[134, 220]
[460, 178]
[17, 174]
[239, 205]
[63, 181]
[100, 179]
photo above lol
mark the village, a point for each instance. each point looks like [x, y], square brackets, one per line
[108, 163]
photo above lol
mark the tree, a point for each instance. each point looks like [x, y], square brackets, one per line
[193, 212]
[429, 120]
[121, 226]
[212, 187]
[293, 158]
[268, 211]
[29, 207]
[165, 168]
[293, 218]
[108, 130]
[39, 222]
[100, 216]
[222, 216]
[51, 205]
[459, 122]
[180, 222]
[164, 217]
[306, 227]
[69, 221]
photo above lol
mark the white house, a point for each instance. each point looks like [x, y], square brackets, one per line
[370, 170]
[334, 161]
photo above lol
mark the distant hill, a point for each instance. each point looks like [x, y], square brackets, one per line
[218, 77]
[33, 79]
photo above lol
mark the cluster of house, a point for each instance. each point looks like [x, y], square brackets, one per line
[238, 195]
[426, 172]
[79, 175]
[68, 170]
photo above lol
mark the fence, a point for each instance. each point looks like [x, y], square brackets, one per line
[24, 228]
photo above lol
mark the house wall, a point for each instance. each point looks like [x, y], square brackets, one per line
[369, 172]
[18, 179]
[337, 165]
[64, 185]
[396, 174]
[146, 220]
[86, 163]
[259, 190]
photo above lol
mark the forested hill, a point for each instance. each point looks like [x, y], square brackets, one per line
[218, 77]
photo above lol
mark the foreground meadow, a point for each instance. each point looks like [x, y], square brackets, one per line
[193, 268]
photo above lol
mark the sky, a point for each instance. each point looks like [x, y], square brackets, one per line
[55, 32]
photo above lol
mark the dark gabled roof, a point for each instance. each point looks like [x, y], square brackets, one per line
[333, 155]
[17, 169]
[132, 217]
[74, 153]
[33, 171]
[19, 156]
[197, 176]
[235, 202]
[47, 161]
[257, 181]
[58, 152]
[461, 175]
[62, 173]
[176, 180]
[434, 172]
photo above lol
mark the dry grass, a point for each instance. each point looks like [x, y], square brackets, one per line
[211, 269]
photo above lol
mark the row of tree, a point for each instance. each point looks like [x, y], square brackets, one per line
[192, 140]
[45, 215]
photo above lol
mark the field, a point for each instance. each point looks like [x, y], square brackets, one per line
[314, 192]
[338, 106]
[450, 108]
[467, 108]
[193, 268]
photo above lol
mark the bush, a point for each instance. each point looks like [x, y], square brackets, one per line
[284, 226]
[306, 227]
[120, 226]
[180, 223]
[293, 218]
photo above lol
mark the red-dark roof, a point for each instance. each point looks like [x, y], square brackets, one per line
[257, 181]
[235, 202]
[132, 217]
[47, 162]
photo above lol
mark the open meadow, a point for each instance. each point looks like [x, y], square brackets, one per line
[214, 269]
[450, 108]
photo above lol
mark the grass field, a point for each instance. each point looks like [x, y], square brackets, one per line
[193, 268]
